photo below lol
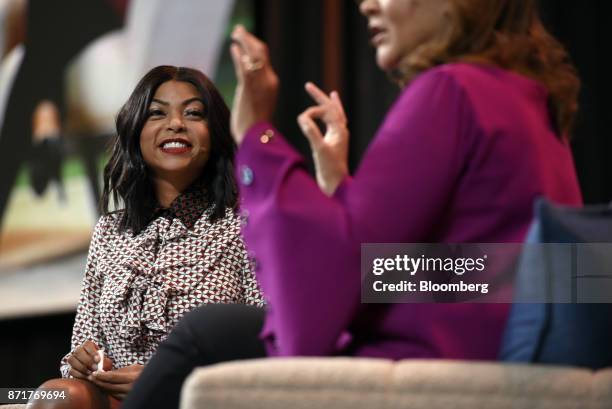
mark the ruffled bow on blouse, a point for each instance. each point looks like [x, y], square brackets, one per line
[137, 287]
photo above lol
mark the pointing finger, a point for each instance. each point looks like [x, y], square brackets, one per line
[319, 96]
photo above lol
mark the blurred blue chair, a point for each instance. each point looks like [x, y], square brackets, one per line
[563, 309]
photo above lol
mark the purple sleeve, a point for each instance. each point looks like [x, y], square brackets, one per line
[307, 245]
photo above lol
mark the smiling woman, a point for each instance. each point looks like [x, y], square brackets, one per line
[170, 105]
[175, 142]
[175, 243]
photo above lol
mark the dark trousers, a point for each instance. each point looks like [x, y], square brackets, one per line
[207, 335]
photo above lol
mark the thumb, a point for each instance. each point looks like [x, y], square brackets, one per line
[108, 364]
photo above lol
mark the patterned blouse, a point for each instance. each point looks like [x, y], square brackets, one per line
[137, 287]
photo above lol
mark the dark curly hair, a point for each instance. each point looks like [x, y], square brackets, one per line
[127, 179]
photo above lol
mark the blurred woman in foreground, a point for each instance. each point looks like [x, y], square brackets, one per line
[480, 130]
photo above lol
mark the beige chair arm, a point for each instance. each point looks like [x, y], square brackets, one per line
[354, 383]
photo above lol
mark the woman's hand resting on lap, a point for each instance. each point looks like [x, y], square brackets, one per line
[84, 360]
[118, 382]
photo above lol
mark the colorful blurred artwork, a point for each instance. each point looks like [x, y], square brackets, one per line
[66, 67]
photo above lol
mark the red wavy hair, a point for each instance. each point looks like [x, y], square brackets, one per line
[510, 34]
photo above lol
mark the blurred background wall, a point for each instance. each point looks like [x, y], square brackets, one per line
[85, 56]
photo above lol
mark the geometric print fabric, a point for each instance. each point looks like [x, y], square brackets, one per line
[137, 287]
